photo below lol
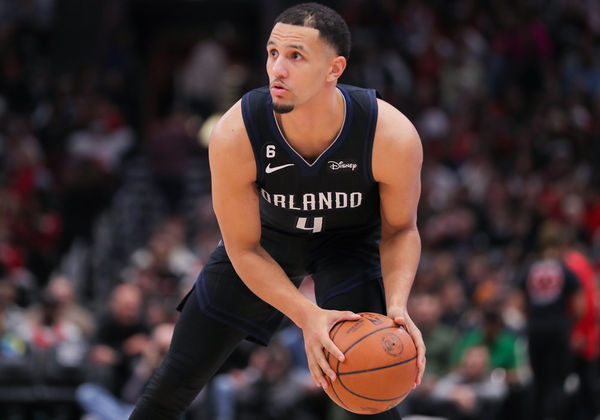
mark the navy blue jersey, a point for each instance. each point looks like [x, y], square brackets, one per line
[334, 193]
[319, 218]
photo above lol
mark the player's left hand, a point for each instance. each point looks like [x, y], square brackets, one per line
[401, 317]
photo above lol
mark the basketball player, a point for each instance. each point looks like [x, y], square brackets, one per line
[308, 177]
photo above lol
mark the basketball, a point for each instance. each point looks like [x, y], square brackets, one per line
[380, 366]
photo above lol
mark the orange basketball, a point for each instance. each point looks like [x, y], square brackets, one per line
[380, 367]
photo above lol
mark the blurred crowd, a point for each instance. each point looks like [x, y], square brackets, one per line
[105, 214]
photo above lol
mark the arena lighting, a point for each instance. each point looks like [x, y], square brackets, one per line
[207, 127]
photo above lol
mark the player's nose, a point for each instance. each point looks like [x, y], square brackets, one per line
[279, 68]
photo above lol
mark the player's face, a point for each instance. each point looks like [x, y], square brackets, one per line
[298, 63]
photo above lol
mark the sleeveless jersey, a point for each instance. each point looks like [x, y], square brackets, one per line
[334, 193]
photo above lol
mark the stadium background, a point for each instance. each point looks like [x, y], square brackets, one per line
[104, 110]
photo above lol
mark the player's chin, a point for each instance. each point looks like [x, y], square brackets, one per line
[282, 108]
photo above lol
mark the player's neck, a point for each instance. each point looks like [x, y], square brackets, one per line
[312, 127]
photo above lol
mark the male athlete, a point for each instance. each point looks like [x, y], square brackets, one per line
[308, 177]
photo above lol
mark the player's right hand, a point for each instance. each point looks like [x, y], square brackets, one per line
[315, 328]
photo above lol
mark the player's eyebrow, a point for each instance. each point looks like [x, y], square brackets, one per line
[294, 46]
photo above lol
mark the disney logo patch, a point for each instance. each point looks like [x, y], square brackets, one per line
[341, 165]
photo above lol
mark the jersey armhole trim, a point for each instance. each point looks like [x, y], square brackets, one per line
[371, 126]
[252, 133]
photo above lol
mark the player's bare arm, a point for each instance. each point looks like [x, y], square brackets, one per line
[235, 201]
[397, 161]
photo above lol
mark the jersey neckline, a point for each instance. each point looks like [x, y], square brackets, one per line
[336, 143]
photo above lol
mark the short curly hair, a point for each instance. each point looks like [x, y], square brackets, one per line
[331, 26]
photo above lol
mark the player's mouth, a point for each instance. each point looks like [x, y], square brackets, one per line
[278, 89]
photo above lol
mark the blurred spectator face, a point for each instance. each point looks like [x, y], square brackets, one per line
[126, 304]
[475, 364]
[7, 294]
[477, 268]
[157, 311]
[452, 296]
[161, 246]
[50, 309]
[444, 265]
[425, 310]
[166, 239]
[174, 231]
[61, 288]
[258, 359]
[278, 362]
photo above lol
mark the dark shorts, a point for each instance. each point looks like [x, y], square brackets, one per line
[345, 269]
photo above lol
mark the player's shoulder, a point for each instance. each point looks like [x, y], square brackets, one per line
[232, 127]
[394, 130]
[229, 138]
[396, 145]
[229, 129]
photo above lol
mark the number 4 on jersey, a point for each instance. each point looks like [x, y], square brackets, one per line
[316, 227]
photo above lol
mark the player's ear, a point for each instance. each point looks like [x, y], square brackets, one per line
[338, 65]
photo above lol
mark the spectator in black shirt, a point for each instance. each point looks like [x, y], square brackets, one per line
[553, 301]
[121, 338]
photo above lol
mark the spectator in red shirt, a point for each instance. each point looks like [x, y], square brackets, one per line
[585, 336]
